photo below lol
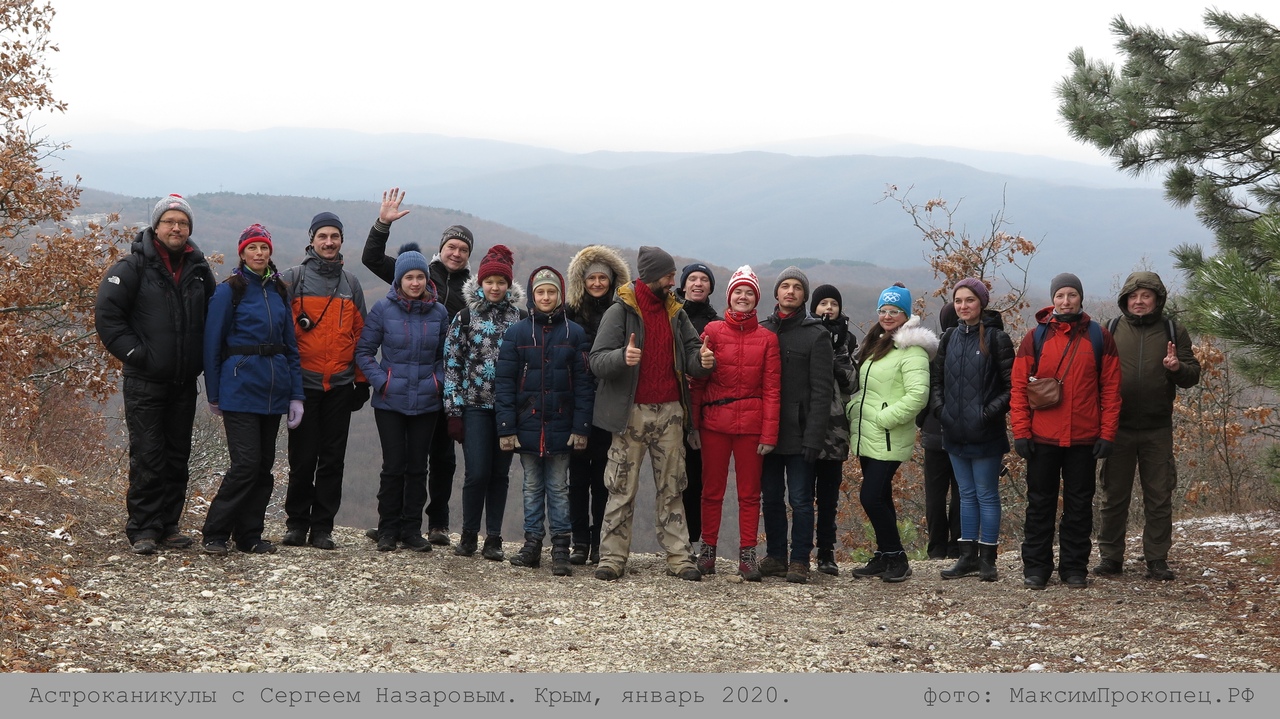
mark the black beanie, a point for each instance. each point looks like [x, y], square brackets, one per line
[696, 267]
[458, 232]
[324, 219]
[824, 292]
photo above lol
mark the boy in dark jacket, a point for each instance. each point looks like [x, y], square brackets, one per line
[543, 405]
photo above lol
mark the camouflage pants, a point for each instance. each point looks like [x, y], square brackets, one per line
[659, 429]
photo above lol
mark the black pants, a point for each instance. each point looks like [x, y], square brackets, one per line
[1074, 470]
[941, 503]
[159, 416]
[443, 462]
[826, 494]
[317, 456]
[693, 492]
[876, 497]
[402, 491]
[587, 495]
[239, 509]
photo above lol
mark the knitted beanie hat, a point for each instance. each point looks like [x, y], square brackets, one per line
[896, 296]
[825, 292]
[977, 287]
[409, 259]
[254, 233]
[699, 267]
[1066, 279]
[743, 276]
[497, 261]
[324, 219]
[172, 202]
[792, 273]
[653, 263]
[458, 232]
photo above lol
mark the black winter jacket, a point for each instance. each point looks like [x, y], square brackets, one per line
[700, 314]
[151, 324]
[969, 390]
[808, 381]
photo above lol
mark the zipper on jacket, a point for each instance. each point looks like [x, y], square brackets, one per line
[271, 388]
[888, 444]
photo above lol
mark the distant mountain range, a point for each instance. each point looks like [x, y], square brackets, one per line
[726, 208]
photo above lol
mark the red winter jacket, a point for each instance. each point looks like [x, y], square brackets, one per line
[743, 394]
[1090, 405]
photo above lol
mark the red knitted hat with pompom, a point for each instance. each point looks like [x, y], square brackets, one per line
[497, 261]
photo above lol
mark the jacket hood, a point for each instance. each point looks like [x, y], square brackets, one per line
[575, 288]
[474, 295]
[912, 334]
[326, 268]
[626, 295]
[1142, 281]
[559, 277]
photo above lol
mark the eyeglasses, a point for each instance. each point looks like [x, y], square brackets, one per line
[891, 312]
[180, 224]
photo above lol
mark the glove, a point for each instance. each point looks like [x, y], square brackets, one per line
[1101, 449]
[1024, 447]
[578, 442]
[295, 414]
[359, 395]
[508, 443]
[810, 455]
[763, 449]
[694, 439]
[213, 409]
[457, 430]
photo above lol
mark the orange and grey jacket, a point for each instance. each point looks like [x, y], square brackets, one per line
[332, 301]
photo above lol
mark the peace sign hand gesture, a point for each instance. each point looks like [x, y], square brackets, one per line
[1171, 362]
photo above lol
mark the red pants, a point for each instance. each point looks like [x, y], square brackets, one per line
[716, 449]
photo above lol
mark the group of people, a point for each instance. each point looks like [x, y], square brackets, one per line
[583, 373]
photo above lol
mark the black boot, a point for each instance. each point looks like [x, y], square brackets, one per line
[579, 555]
[530, 555]
[560, 555]
[492, 548]
[967, 564]
[827, 562]
[987, 563]
[593, 557]
[467, 544]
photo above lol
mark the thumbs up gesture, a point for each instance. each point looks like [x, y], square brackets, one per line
[633, 352]
[706, 355]
[1171, 362]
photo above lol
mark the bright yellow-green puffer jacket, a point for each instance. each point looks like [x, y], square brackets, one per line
[893, 390]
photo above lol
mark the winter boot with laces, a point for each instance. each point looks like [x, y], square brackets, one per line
[467, 544]
[987, 563]
[896, 567]
[707, 559]
[967, 564]
[530, 555]
[492, 548]
[560, 555]
[747, 566]
[875, 567]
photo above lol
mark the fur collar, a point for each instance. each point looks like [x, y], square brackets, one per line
[912, 334]
[575, 288]
[474, 294]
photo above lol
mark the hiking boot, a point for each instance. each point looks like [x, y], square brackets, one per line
[372, 534]
[690, 574]
[414, 542]
[438, 536]
[323, 540]
[608, 574]
[827, 562]
[560, 555]
[177, 540]
[987, 563]
[770, 567]
[707, 559]
[875, 567]
[1076, 581]
[216, 547]
[747, 567]
[798, 572]
[1159, 569]
[966, 565]
[146, 545]
[593, 557]
[530, 555]
[387, 543]
[896, 569]
[1035, 582]
[492, 548]
[578, 556]
[467, 543]
[260, 546]
[1109, 567]
[294, 538]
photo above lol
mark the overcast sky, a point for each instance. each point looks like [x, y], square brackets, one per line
[600, 75]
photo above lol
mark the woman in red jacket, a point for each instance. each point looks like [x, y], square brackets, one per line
[735, 412]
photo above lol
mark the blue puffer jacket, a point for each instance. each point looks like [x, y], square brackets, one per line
[409, 376]
[545, 391]
[258, 383]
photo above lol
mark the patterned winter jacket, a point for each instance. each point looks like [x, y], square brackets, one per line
[471, 350]
[893, 390]
[835, 445]
[409, 376]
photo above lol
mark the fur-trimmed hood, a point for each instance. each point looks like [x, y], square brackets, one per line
[576, 288]
[912, 334]
[474, 295]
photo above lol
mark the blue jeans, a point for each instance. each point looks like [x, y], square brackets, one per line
[484, 487]
[546, 493]
[789, 474]
[979, 482]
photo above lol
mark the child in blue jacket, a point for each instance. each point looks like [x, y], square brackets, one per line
[543, 406]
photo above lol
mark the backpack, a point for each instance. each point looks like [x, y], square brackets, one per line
[1095, 338]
